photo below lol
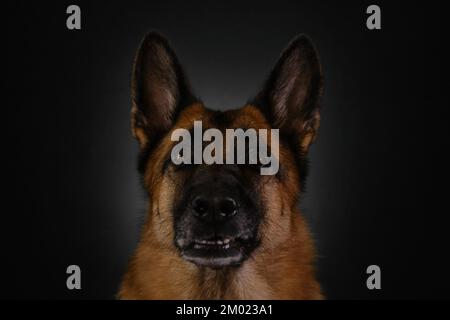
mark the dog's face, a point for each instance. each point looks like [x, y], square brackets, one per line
[216, 215]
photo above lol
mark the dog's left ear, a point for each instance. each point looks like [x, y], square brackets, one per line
[290, 97]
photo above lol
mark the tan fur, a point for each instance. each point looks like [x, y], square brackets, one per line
[280, 268]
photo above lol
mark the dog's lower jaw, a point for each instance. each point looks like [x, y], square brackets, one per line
[283, 273]
[219, 253]
[215, 263]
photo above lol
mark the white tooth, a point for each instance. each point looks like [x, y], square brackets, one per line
[219, 242]
[196, 246]
[226, 246]
[203, 241]
[226, 241]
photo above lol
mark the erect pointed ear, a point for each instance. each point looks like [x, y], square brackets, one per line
[290, 97]
[159, 89]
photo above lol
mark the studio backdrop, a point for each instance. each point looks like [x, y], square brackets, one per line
[72, 194]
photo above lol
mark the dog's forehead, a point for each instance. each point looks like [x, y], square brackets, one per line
[248, 116]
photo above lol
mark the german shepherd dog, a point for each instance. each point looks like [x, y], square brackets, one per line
[223, 231]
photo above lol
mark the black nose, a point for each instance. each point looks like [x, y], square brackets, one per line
[215, 207]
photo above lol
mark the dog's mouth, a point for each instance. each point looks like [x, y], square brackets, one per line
[217, 252]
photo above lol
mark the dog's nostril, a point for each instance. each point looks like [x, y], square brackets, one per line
[227, 207]
[217, 207]
[200, 206]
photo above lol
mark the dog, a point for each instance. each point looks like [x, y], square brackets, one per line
[223, 231]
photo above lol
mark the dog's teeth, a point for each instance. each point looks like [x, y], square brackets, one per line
[225, 243]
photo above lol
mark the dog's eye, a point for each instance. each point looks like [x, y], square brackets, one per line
[262, 165]
[179, 157]
[174, 161]
[181, 162]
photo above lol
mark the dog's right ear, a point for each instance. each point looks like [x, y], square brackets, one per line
[159, 89]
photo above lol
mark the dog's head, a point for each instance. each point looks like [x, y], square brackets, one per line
[215, 215]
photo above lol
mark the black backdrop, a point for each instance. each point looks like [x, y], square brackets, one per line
[71, 193]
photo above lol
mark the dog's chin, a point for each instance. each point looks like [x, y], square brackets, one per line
[217, 253]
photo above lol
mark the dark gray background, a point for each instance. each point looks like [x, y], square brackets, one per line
[72, 192]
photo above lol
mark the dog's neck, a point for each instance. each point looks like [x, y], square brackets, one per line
[243, 282]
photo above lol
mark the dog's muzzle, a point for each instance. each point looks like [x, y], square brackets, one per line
[217, 221]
